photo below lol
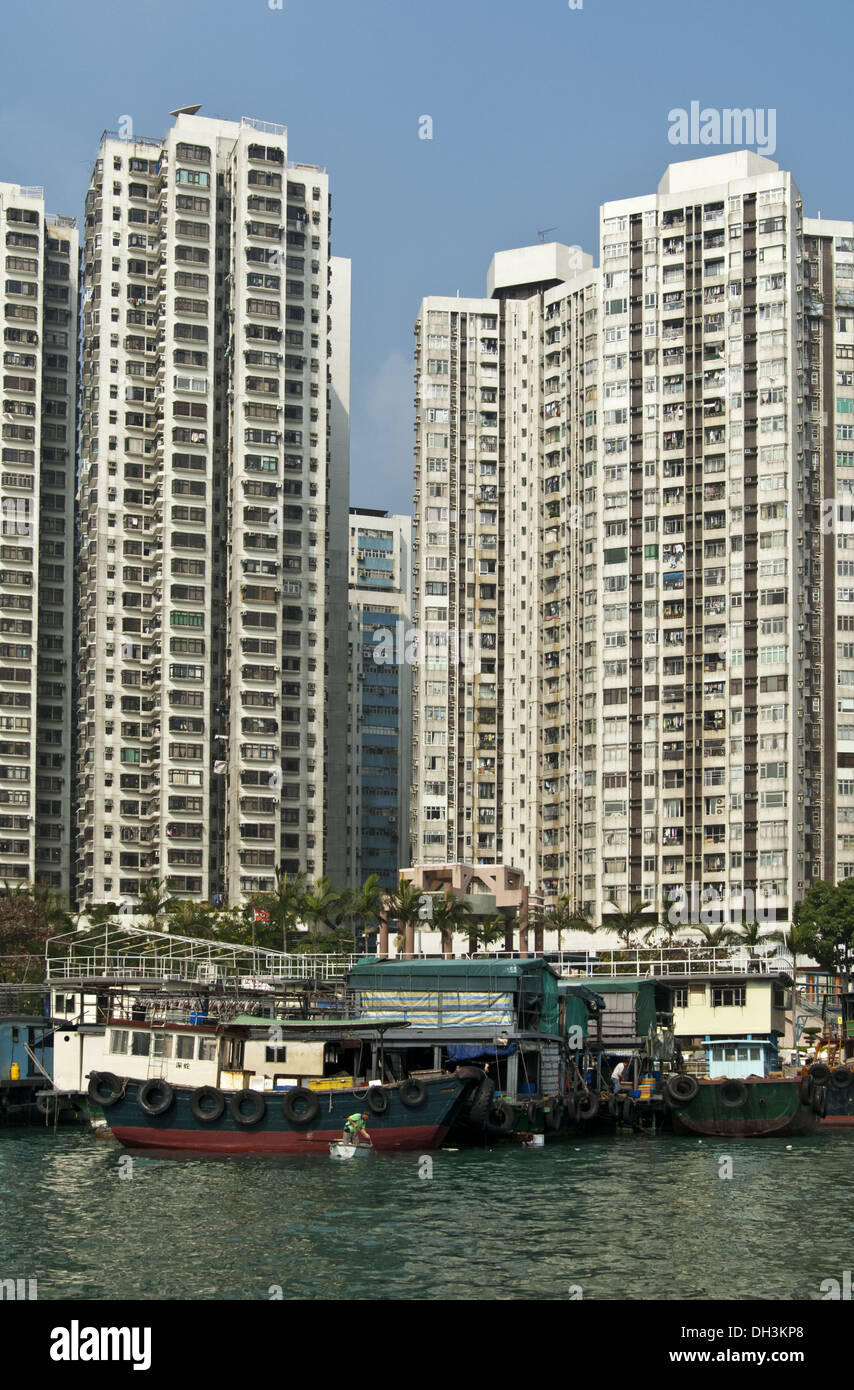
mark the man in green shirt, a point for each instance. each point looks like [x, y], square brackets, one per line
[354, 1129]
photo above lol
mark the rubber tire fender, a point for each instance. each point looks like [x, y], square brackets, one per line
[479, 1108]
[806, 1089]
[587, 1107]
[820, 1073]
[819, 1101]
[152, 1087]
[207, 1117]
[377, 1100]
[412, 1092]
[732, 1094]
[293, 1100]
[841, 1079]
[536, 1115]
[247, 1097]
[681, 1089]
[554, 1115]
[630, 1109]
[500, 1118]
[101, 1078]
[570, 1110]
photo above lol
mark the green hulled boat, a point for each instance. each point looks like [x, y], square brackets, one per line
[753, 1107]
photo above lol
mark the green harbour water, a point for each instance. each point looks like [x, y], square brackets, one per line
[623, 1218]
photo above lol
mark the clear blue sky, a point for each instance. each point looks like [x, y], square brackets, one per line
[540, 113]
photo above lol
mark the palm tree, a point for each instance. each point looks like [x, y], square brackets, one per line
[750, 935]
[716, 938]
[322, 906]
[402, 907]
[153, 899]
[190, 918]
[563, 917]
[285, 902]
[667, 929]
[450, 914]
[484, 932]
[626, 922]
[365, 904]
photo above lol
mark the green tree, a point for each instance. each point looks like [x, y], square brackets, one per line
[285, 903]
[716, 938]
[562, 917]
[28, 919]
[402, 907]
[152, 900]
[450, 914]
[322, 906]
[364, 905]
[627, 922]
[486, 931]
[826, 916]
[665, 930]
[750, 935]
[190, 918]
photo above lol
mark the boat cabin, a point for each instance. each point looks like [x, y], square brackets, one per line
[507, 1016]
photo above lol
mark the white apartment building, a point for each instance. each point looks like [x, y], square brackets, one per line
[379, 728]
[209, 492]
[475, 548]
[634, 513]
[38, 294]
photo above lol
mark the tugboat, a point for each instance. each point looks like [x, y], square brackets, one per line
[749, 1107]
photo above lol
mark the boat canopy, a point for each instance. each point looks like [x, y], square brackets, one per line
[432, 992]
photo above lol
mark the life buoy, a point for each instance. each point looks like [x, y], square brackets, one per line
[412, 1092]
[733, 1094]
[681, 1089]
[300, 1105]
[105, 1088]
[841, 1079]
[377, 1100]
[500, 1118]
[256, 1103]
[587, 1106]
[206, 1114]
[155, 1096]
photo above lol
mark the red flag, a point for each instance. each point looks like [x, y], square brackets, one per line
[260, 915]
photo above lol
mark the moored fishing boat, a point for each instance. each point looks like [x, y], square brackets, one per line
[155, 1115]
[754, 1106]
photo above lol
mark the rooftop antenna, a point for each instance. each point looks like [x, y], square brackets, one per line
[186, 110]
[545, 231]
